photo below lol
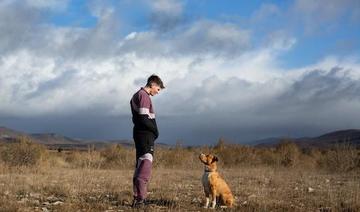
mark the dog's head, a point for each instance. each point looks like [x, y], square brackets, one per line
[209, 161]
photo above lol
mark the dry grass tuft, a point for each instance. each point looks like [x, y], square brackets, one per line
[23, 152]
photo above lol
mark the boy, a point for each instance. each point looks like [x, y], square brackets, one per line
[145, 132]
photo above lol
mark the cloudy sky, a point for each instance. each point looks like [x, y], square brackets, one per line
[241, 70]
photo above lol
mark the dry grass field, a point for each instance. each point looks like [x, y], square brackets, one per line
[280, 179]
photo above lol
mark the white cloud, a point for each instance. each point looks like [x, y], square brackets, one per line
[200, 38]
[57, 5]
[166, 14]
[266, 11]
[172, 7]
[207, 36]
[316, 15]
[280, 40]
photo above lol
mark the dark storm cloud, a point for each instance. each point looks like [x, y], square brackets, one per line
[316, 102]
[319, 86]
[86, 125]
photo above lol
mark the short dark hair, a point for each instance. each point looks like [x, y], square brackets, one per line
[155, 79]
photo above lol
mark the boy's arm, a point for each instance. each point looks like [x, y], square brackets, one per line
[151, 126]
[144, 113]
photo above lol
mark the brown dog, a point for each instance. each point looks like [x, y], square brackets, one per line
[214, 185]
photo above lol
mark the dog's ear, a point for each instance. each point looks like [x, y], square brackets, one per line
[215, 159]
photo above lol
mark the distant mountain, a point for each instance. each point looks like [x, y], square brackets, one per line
[341, 136]
[130, 143]
[6, 132]
[350, 136]
[8, 135]
[53, 138]
[267, 142]
[56, 141]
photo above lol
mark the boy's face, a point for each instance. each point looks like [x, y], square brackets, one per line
[154, 89]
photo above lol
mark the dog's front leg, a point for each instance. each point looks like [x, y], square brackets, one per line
[213, 195]
[207, 199]
[207, 202]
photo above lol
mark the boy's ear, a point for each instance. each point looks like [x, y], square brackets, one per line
[215, 159]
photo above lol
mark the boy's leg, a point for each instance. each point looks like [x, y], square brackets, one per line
[142, 176]
[134, 184]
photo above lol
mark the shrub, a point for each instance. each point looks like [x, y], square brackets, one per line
[116, 156]
[177, 157]
[289, 153]
[89, 159]
[268, 156]
[22, 152]
[343, 157]
[231, 155]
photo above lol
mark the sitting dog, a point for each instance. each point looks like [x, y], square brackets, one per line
[214, 185]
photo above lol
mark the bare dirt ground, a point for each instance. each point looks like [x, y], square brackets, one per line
[255, 189]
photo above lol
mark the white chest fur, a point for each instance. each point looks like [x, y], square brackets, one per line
[206, 181]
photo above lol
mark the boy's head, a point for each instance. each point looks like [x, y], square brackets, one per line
[155, 84]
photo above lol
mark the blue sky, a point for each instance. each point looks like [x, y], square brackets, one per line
[242, 70]
[76, 14]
